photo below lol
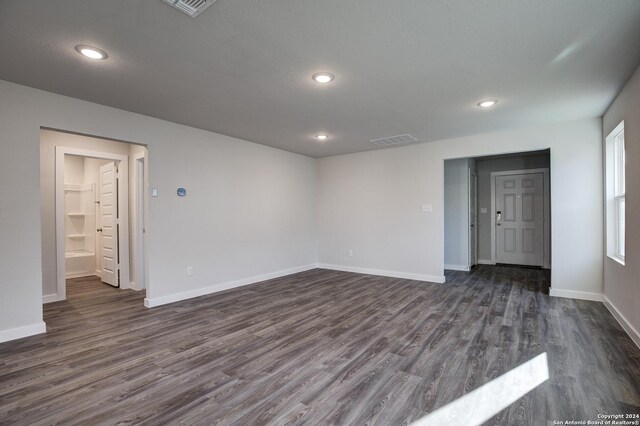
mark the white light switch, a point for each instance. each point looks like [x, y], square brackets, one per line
[427, 208]
[483, 210]
[154, 192]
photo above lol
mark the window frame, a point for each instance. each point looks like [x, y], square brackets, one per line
[615, 194]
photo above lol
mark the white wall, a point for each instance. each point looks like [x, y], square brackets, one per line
[92, 168]
[456, 214]
[73, 170]
[622, 282]
[370, 202]
[485, 168]
[249, 211]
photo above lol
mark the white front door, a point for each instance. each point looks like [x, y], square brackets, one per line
[473, 221]
[109, 225]
[520, 219]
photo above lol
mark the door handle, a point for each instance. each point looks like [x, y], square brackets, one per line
[498, 224]
[99, 230]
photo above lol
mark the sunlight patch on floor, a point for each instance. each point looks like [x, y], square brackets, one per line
[479, 405]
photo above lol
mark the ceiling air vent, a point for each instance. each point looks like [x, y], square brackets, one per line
[394, 140]
[191, 7]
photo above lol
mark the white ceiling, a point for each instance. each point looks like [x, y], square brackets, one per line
[243, 68]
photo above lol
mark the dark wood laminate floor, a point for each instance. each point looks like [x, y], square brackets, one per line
[319, 347]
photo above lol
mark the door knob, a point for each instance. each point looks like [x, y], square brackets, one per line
[99, 230]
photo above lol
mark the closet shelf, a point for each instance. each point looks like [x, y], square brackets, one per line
[76, 214]
[76, 236]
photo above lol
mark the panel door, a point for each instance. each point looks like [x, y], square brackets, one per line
[520, 219]
[109, 222]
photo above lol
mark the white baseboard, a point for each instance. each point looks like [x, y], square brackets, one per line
[176, 297]
[457, 268]
[626, 325]
[485, 262]
[581, 295]
[78, 275]
[25, 331]
[48, 298]
[392, 274]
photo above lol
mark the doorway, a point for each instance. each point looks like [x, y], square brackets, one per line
[88, 229]
[100, 233]
[497, 211]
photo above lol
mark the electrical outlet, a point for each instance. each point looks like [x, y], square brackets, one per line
[350, 253]
[189, 270]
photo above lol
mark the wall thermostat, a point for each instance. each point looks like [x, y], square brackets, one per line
[182, 192]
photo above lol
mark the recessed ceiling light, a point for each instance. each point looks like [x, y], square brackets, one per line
[91, 52]
[487, 104]
[322, 137]
[323, 77]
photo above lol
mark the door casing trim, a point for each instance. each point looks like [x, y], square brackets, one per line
[139, 220]
[471, 177]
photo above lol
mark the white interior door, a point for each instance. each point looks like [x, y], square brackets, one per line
[520, 219]
[473, 219]
[109, 225]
